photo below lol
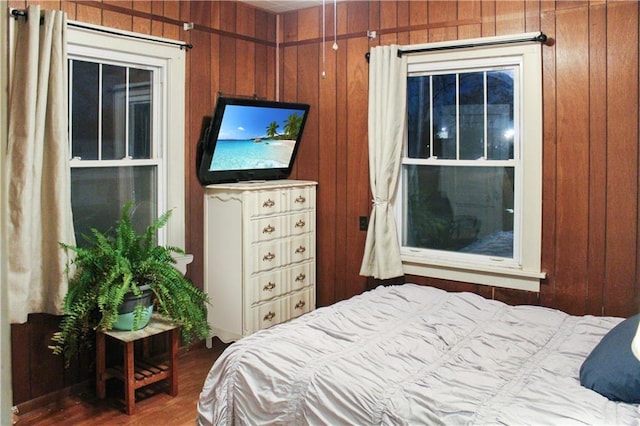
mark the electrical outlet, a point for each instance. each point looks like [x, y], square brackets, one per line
[364, 223]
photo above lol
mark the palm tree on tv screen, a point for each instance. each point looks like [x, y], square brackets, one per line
[272, 129]
[292, 125]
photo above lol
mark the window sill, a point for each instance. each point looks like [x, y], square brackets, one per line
[182, 261]
[506, 277]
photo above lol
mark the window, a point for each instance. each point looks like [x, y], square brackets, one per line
[121, 92]
[469, 199]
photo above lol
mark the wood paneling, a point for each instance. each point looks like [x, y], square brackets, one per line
[203, 85]
[327, 178]
[442, 17]
[622, 159]
[510, 17]
[359, 199]
[532, 15]
[597, 159]
[572, 110]
[234, 53]
[419, 17]
[342, 189]
[549, 144]
[470, 10]
[307, 166]
[21, 362]
[590, 160]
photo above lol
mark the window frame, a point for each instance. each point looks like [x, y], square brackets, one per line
[89, 42]
[524, 271]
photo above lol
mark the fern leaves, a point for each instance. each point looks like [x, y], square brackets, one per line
[116, 263]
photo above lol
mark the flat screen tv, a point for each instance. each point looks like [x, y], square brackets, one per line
[250, 139]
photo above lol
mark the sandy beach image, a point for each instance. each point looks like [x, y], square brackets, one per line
[252, 154]
[280, 150]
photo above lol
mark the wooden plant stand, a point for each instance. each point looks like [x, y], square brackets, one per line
[136, 374]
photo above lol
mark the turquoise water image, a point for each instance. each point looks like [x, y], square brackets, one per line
[249, 154]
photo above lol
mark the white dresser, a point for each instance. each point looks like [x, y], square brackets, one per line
[259, 254]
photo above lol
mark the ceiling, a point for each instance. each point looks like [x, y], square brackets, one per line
[281, 6]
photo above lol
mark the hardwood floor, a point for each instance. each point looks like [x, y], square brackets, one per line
[153, 405]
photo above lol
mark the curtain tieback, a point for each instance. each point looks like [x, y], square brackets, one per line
[377, 202]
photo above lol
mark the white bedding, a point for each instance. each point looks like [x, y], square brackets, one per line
[413, 355]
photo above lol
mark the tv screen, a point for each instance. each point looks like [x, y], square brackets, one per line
[250, 139]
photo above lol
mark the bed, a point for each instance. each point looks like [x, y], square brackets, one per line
[408, 355]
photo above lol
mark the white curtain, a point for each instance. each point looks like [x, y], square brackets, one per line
[38, 175]
[387, 123]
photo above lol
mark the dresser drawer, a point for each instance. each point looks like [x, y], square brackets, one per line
[269, 228]
[266, 256]
[267, 203]
[300, 276]
[299, 223]
[268, 285]
[268, 314]
[273, 227]
[299, 303]
[300, 249]
[300, 199]
[280, 310]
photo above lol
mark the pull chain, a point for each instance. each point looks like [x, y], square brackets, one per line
[335, 25]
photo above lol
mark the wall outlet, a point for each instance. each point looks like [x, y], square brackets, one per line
[364, 223]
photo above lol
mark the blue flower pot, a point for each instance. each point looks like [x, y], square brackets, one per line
[125, 311]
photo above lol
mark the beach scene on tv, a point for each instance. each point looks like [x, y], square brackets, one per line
[253, 137]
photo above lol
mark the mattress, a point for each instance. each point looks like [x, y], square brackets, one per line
[407, 355]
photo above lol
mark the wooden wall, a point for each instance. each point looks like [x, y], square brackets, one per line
[590, 186]
[591, 179]
[234, 52]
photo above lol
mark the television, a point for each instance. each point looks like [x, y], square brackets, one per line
[250, 140]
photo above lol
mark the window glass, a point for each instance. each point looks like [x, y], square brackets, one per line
[97, 195]
[85, 98]
[111, 137]
[444, 116]
[460, 209]
[471, 116]
[119, 88]
[140, 118]
[469, 202]
[114, 91]
[419, 116]
[500, 121]
[455, 200]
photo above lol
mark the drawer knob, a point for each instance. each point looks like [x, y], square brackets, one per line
[269, 257]
[268, 229]
[300, 250]
[300, 305]
[300, 199]
[269, 286]
[300, 224]
[301, 277]
[269, 316]
[269, 203]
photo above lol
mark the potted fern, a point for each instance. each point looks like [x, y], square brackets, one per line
[122, 263]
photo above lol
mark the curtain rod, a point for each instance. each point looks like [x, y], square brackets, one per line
[540, 38]
[19, 13]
